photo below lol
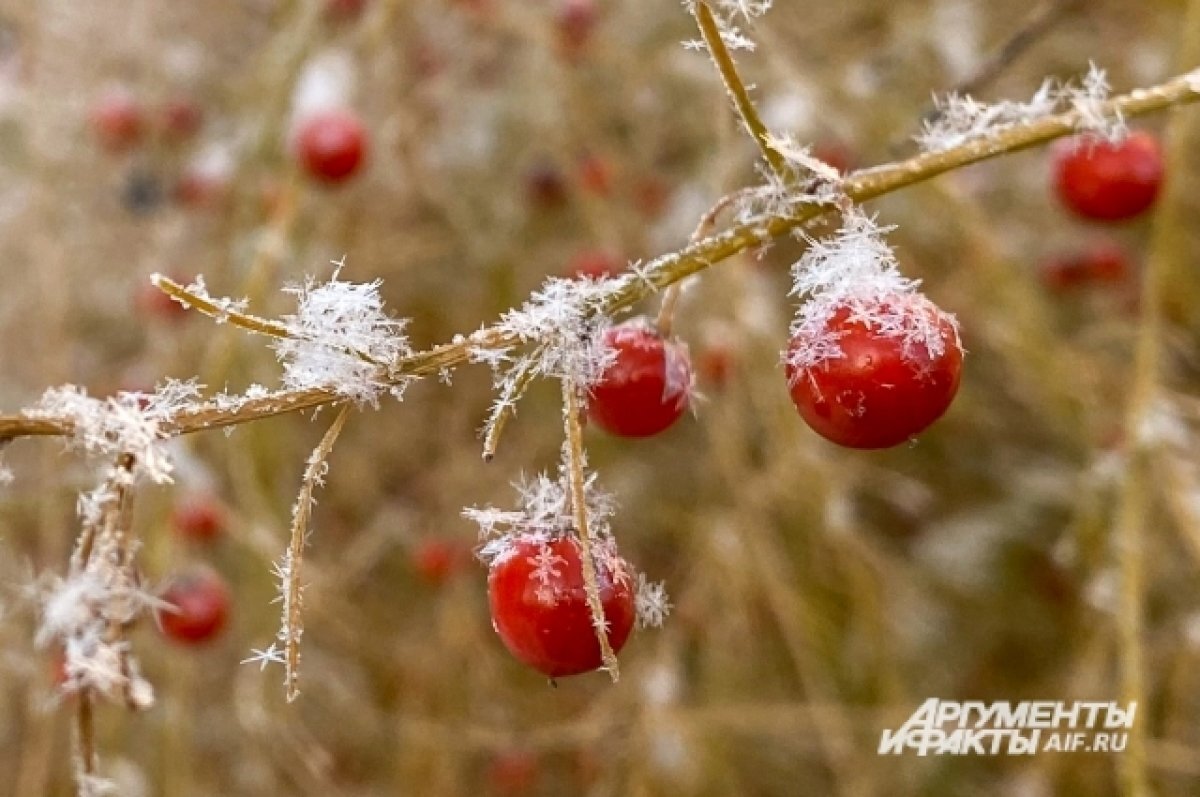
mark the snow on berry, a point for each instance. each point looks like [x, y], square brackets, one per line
[341, 338]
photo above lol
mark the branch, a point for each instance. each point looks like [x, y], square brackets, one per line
[671, 268]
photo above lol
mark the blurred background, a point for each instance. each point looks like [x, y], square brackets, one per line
[821, 594]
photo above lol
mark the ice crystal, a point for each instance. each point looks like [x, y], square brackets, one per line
[961, 118]
[341, 338]
[856, 271]
[651, 602]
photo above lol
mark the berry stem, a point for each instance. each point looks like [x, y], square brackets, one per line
[293, 626]
[670, 268]
[737, 89]
[577, 483]
[250, 323]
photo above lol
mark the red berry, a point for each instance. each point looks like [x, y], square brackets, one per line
[715, 365]
[201, 602]
[647, 386]
[595, 175]
[594, 264]
[153, 303]
[199, 517]
[897, 371]
[438, 560]
[331, 145]
[1108, 182]
[512, 773]
[199, 188]
[651, 195]
[117, 120]
[576, 21]
[539, 605]
[344, 10]
[545, 187]
[180, 119]
[836, 153]
[1101, 263]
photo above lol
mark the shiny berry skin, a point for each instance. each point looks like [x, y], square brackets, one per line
[539, 606]
[647, 386]
[117, 121]
[1102, 263]
[594, 264]
[201, 600]
[331, 146]
[880, 391]
[198, 517]
[1108, 182]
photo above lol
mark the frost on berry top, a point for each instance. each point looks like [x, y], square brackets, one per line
[544, 512]
[855, 271]
[127, 423]
[961, 118]
[341, 338]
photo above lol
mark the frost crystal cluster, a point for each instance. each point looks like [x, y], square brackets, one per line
[855, 270]
[961, 118]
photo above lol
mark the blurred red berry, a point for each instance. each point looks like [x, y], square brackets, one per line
[715, 365]
[647, 386]
[650, 196]
[344, 10]
[1108, 182]
[202, 601]
[152, 303]
[576, 21]
[512, 773]
[836, 153]
[886, 385]
[198, 188]
[539, 605]
[595, 175]
[1101, 263]
[117, 120]
[180, 119]
[199, 517]
[437, 560]
[331, 145]
[594, 264]
[545, 187]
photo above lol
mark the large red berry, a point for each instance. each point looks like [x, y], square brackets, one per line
[1109, 182]
[198, 517]
[646, 388]
[875, 375]
[331, 145]
[117, 120]
[539, 604]
[201, 602]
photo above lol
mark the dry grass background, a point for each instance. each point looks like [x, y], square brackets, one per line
[820, 594]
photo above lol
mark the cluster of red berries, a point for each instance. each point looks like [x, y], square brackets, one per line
[1102, 182]
[199, 598]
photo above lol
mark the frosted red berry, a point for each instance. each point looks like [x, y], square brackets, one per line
[895, 371]
[1107, 181]
[647, 386]
[201, 602]
[539, 605]
[594, 264]
[331, 145]
[199, 517]
[117, 120]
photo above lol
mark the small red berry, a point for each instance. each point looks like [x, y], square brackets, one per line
[331, 145]
[647, 386]
[576, 21]
[180, 119]
[437, 560]
[1108, 182]
[595, 175]
[512, 773]
[117, 120]
[201, 600]
[544, 186]
[153, 303]
[836, 153]
[539, 604]
[198, 517]
[897, 371]
[594, 264]
[1102, 263]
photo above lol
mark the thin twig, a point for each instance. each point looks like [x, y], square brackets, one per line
[666, 313]
[1040, 22]
[670, 268]
[506, 406]
[250, 323]
[293, 588]
[737, 89]
[578, 485]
